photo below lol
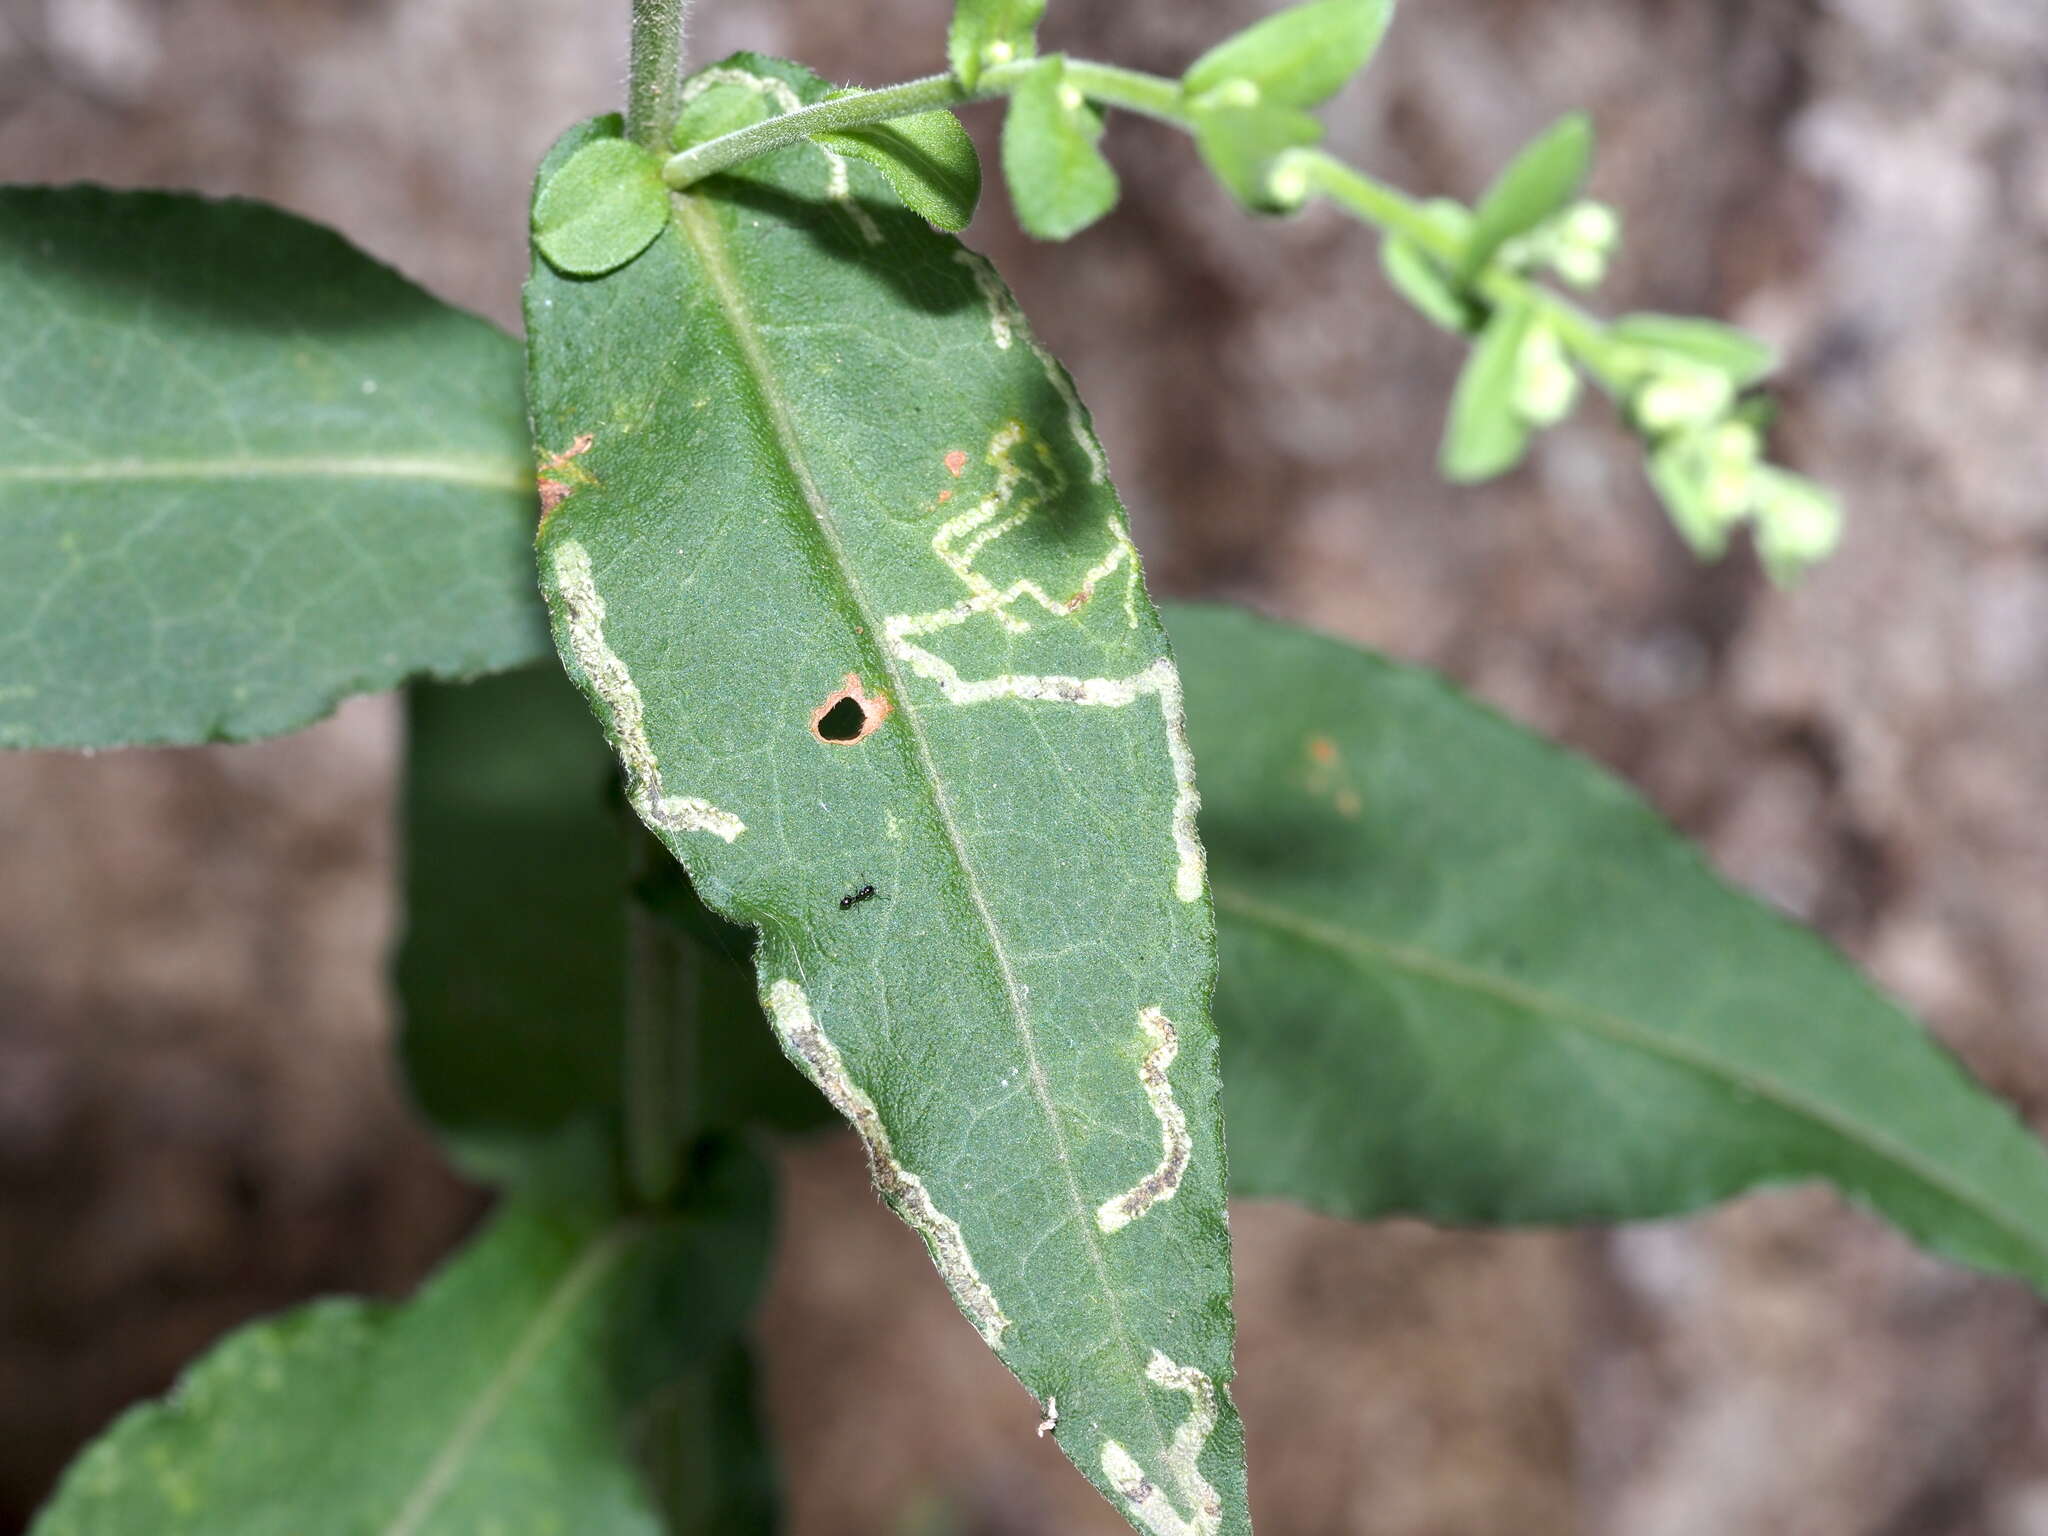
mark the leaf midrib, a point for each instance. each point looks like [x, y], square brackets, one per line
[698, 226]
[483, 473]
[603, 1252]
[1357, 948]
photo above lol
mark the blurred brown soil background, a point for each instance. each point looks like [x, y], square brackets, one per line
[198, 1120]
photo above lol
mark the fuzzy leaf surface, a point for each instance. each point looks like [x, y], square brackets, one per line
[504, 1396]
[845, 578]
[1470, 977]
[245, 471]
[929, 160]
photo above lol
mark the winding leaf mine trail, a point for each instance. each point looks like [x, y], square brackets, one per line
[908, 493]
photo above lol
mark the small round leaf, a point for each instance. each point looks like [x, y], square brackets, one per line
[601, 209]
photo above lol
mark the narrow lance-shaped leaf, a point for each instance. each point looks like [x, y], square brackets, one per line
[1538, 184]
[244, 472]
[1059, 181]
[1745, 359]
[1299, 57]
[1470, 977]
[500, 1398]
[843, 574]
[1486, 434]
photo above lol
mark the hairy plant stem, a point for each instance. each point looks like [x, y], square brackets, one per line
[655, 70]
[1366, 199]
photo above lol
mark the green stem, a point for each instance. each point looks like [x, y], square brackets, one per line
[655, 70]
[1370, 201]
[1111, 85]
[661, 1023]
[842, 112]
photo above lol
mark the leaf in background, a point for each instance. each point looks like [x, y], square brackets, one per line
[245, 471]
[1470, 977]
[712, 1467]
[850, 588]
[511, 975]
[1059, 181]
[1539, 183]
[1745, 359]
[601, 208]
[500, 1397]
[927, 157]
[1298, 57]
[511, 972]
[1240, 143]
[986, 32]
[1486, 435]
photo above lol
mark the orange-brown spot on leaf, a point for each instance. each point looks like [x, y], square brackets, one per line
[1348, 804]
[1322, 750]
[849, 713]
[558, 480]
[956, 463]
[944, 497]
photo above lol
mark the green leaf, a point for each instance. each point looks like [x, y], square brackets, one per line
[1741, 356]
[1470, 977]
[1541, 182]
[511, 974]
[1298, 57]
[600, 208]
[991, 32]
[1241, 143]
[245, 471]
[929, 160]
[1059, 181]
[855, 599]
[1681, 468]
[1486, 435]
[710, 1461]
[519, 870]
[499, 1398]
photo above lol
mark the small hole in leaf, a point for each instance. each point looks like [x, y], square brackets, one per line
[844, 721]
[849, 713]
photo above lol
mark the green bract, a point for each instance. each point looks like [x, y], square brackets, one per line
[1487, 433]
[1739, 355]
[600, 207]
[244, 472]
[991, 32]
[1540, 182]
[1241, 144]
[855, 600]
[1059, 181]
[929, 160]
[1299, 57]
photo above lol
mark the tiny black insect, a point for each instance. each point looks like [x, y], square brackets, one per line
[856, 898]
